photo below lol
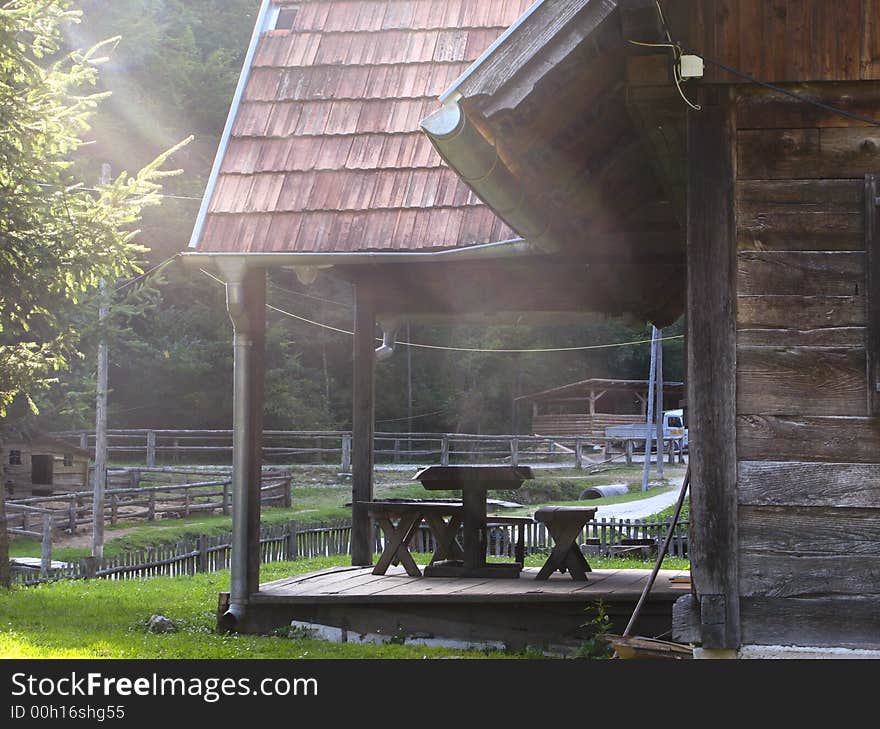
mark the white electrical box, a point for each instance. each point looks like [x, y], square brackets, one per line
[691, 67]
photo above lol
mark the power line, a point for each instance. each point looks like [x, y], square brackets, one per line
[155, 269]
[461, 349]
[310, 296]
[94, 189]
[414, 417]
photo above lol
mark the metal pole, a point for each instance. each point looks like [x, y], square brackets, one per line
[100, 476]
[650, 419]
[658, 378]
[409, 390]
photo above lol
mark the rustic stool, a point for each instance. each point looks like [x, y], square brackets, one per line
[565, 523]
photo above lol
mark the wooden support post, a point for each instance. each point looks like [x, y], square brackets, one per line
[711, 366]
[151, 449]
[444, 450]
[291, 548]
[578, 454]
[514, 451]
[346, 453]
[363, 424]
[629, 451]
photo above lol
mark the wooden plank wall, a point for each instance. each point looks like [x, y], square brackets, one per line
[782, 40]
[808, 450]
[581, 424]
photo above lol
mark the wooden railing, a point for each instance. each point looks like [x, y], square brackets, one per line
[289, 541]
[334, 447]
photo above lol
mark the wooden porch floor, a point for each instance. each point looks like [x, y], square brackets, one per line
[518, 612]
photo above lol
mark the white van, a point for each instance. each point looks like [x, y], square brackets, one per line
[673, 427]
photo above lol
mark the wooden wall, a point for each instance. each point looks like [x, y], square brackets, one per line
[582, 424]
[64, 478]
[808, 449]
[782, 40]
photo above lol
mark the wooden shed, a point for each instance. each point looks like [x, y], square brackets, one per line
[745, 195]
[587, 407]
[41, 465]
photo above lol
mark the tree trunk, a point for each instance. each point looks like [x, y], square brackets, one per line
[5, 572]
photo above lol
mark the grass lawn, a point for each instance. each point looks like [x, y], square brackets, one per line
[107, 619]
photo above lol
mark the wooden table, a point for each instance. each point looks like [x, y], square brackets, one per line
[474, 482]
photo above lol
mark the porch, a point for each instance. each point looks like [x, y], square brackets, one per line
[516, 612]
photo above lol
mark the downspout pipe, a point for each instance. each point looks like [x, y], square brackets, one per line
[242, 345]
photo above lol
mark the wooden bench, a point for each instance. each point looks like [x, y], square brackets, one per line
[520, 522]
[399, 521]
[565, 523]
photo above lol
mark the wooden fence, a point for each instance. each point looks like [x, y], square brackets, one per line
[289, 541]
[334, 447]
[127, 498]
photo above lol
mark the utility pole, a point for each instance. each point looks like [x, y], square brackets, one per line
[650, 419]
[100, 475]
[658, 379]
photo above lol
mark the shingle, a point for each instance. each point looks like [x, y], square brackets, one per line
[326, 152]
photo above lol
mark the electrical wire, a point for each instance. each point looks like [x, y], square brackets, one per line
[461, 349]
[414, 417]
[94, 189]
[158, 267]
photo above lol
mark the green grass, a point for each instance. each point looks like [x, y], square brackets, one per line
[107, 619]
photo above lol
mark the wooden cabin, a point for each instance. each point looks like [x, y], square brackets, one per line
[40, 465]
[622, 188]
[586, 408]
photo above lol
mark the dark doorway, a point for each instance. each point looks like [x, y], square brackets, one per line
[41, 470]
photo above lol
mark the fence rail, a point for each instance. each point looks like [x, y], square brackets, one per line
[334, 447]
[129, 499]
[289, 541]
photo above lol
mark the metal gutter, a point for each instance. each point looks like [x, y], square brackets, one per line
[266, 18]
[470, 70]
[498, 249]
[476, 161]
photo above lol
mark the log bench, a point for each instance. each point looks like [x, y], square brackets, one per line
[565, 523]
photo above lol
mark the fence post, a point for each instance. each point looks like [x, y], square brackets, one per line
[176, 450]
[578, 454]
[186, 502]
[114, 504]
[46, 557]
[286, 499]
[629, 452]
[134, 478]
[202, 563]
[151, 507]
[346, 452]
[397, 450]
[226, 498]
[444, 450]
[84, 441]
[514, 451]
[292, 550]
[151, 448]
[90, 567]
[71, 516]
[25, 521]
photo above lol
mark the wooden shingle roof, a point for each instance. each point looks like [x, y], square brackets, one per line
[325, 152]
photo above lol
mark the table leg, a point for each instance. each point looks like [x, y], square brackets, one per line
[397, 544]
[566, 554]
[474, 502]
